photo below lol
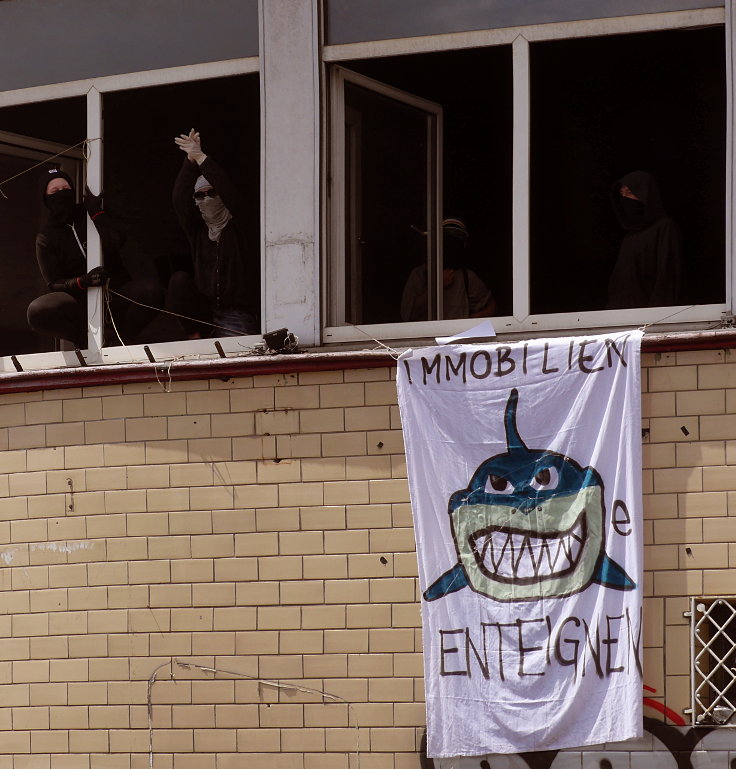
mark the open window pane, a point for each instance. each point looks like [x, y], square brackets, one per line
[601, 108]
[473, 91]
[390, 201]
[31, 136]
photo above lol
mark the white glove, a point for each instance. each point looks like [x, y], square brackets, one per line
[191, 144]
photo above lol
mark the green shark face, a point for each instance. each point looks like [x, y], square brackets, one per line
[551, 551]
[529, 525]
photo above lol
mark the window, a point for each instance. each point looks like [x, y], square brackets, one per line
[141, 163]
[713, 632]
[132, 158]
[535, 132]
[33, 135]
[655, 102]
[391, 193]
[421, 144]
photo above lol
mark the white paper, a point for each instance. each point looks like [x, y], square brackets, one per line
[483, 330]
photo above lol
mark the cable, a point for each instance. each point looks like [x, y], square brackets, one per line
[85, 154]
[234, 331]
[395, 354]
[287, 686]
[264, 681]
[105, 292]
[666, 317]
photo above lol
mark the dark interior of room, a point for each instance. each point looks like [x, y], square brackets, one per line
[474, 89]
[600, 108]
[22, 215]
[140, 163]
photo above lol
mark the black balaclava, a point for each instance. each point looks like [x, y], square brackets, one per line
[62, 204]
[634, 215]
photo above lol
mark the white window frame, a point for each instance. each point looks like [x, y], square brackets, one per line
[340, 76]
[521, 321]
[93, 90]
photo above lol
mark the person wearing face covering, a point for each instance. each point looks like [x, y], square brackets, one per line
[648, 270]
[221, 294]
[62, 260]
[464, 294]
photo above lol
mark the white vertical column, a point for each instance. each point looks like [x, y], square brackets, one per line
[730, 165]
[290, 136]
[520, 191]
[95, 298]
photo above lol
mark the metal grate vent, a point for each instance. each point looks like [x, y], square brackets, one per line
[713, 655]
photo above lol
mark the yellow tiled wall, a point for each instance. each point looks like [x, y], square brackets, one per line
[261, 526]
[689, 410]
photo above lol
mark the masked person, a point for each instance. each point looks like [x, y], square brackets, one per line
[62, 258]
[648, 270]
[222, 292]
[464, 294]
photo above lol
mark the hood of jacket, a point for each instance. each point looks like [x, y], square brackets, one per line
[633, 216]
[62, 208]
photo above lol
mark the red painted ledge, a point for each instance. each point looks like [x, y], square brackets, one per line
[178, 371]
[229, 368]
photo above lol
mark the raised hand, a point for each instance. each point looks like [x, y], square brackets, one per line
[93, 203]
[191, 144]
[95, 278]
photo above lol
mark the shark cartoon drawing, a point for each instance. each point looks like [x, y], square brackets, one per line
[529, 525]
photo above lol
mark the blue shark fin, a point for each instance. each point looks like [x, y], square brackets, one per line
[513, 439]
[609, 574]
[451, 581]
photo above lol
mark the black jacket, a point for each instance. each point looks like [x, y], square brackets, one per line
[648, 271]
[60, 258]
[226, 272]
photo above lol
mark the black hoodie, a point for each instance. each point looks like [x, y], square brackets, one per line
[226, 272]
[58, 252]
[648, 270]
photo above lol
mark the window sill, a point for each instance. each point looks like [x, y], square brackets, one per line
[554, 324]
[63, 370]
[69, 373]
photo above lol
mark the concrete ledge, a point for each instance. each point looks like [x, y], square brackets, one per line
[226, 368]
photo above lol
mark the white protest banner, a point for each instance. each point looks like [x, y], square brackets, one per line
[524, 465]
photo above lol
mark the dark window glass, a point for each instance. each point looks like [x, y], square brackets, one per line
[387, 154]
[601, 108]
[79, 39]
[351, 21]
[60, 120]
[22, 212]
[141, 163]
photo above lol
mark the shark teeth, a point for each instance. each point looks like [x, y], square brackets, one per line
[514, 556]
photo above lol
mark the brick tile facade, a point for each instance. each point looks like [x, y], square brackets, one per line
[261, 526]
